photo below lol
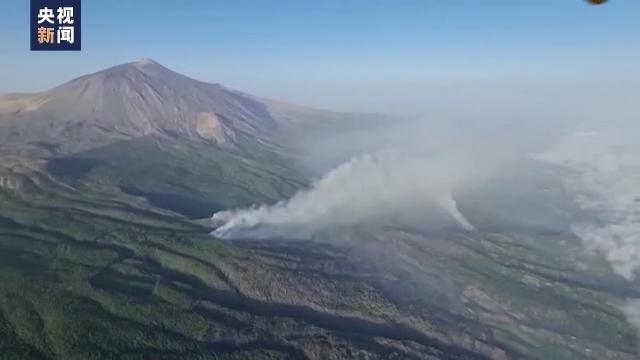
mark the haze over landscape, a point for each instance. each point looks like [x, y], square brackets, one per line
[418, 180]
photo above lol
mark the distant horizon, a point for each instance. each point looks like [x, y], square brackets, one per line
[403, 57]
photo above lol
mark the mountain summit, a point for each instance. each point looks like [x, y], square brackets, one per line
[134, 100]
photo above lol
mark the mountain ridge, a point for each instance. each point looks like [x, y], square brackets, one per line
[138, 99]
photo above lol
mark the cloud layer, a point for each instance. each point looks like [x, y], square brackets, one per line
[605, 180]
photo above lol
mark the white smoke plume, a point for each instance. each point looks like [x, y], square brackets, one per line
[365, 188]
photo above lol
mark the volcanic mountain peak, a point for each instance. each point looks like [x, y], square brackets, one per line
[133, 100]
[146, 61]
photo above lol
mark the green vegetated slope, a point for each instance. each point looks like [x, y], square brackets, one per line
[82, 261]
[97, 262]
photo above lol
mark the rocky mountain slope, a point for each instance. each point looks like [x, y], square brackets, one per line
[135, 100]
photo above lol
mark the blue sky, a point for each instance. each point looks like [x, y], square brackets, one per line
[343, 54]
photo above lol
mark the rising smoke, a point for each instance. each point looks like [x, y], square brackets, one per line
[393, 168]
[373, 171]
[364, 188]
[387, 167]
